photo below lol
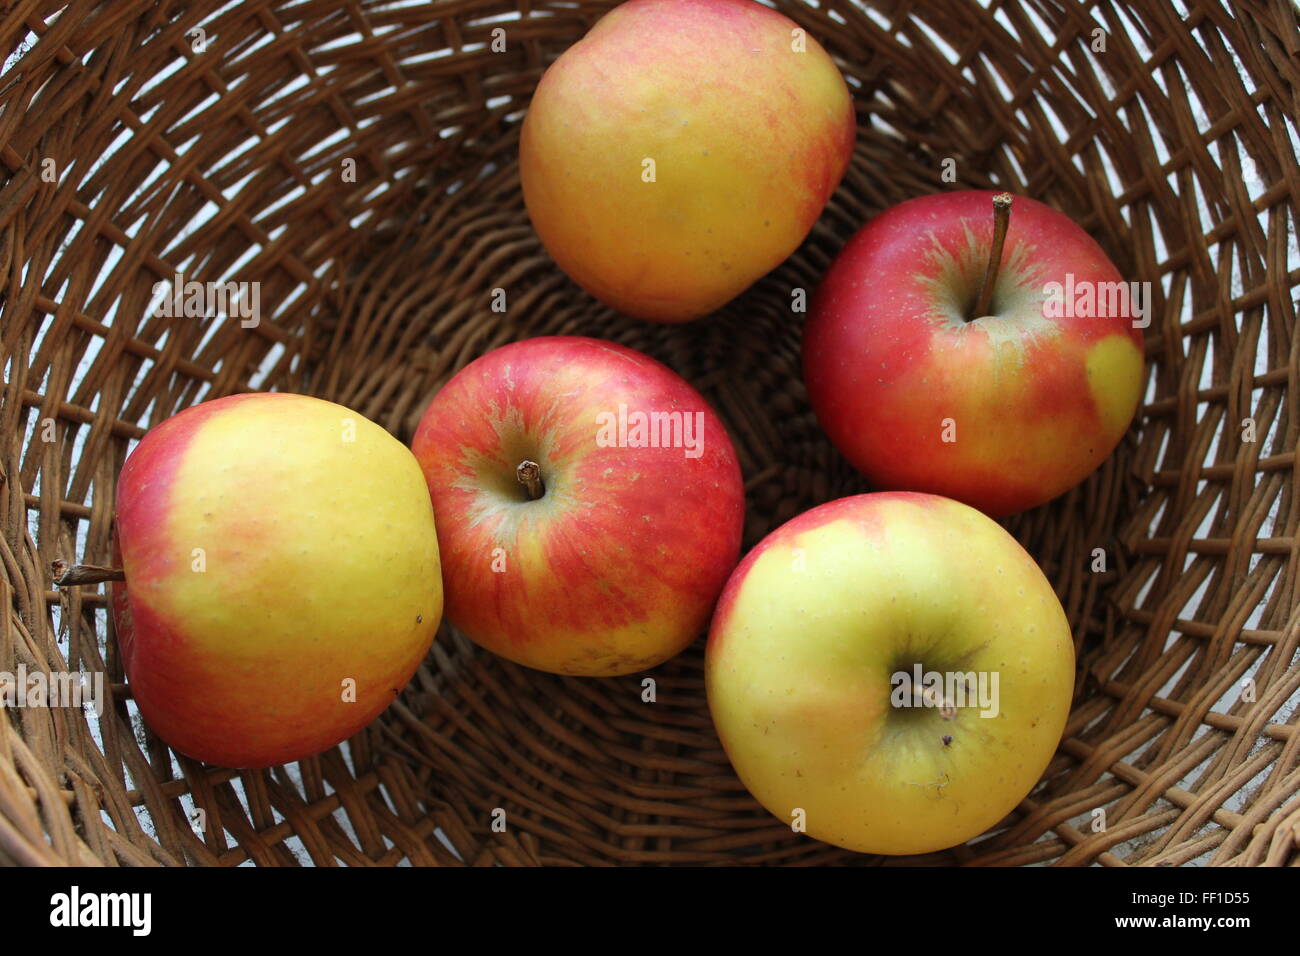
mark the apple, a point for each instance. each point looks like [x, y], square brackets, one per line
[681, 150]
[889, 672]
[590, 505]
[281, 576]
[1003, 404]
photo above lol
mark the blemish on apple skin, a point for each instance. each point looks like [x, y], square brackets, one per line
[947, 739]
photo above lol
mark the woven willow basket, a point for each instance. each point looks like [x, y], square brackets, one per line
[140, 139]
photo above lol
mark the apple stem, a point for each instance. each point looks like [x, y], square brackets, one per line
[529, 474]
[946, 707]
[1001, 219]
[66, 575]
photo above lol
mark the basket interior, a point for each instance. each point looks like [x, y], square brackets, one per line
[358, 160]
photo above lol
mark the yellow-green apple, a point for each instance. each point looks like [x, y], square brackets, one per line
[682, 149]
[1003, 404]
[281, 576]
[889, 672]
[589, 505]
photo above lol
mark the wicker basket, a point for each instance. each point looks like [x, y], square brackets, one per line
[358, 159]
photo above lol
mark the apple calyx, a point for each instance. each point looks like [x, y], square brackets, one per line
[1001, 219]
[66, 575]
[529, 474]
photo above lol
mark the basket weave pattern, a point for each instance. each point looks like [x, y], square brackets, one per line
[1175, 146]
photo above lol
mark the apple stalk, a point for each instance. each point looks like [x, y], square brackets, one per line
[930, 697]
[66, 575]
[529, 474]
[1001, 220]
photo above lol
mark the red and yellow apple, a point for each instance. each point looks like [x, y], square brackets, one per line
[814, 655]
[681, 150]
[589, 505]
[282, 578]
[1004, 407]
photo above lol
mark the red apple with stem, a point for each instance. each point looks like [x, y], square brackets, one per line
[277, 576]
[960, 349]
[590, 505]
